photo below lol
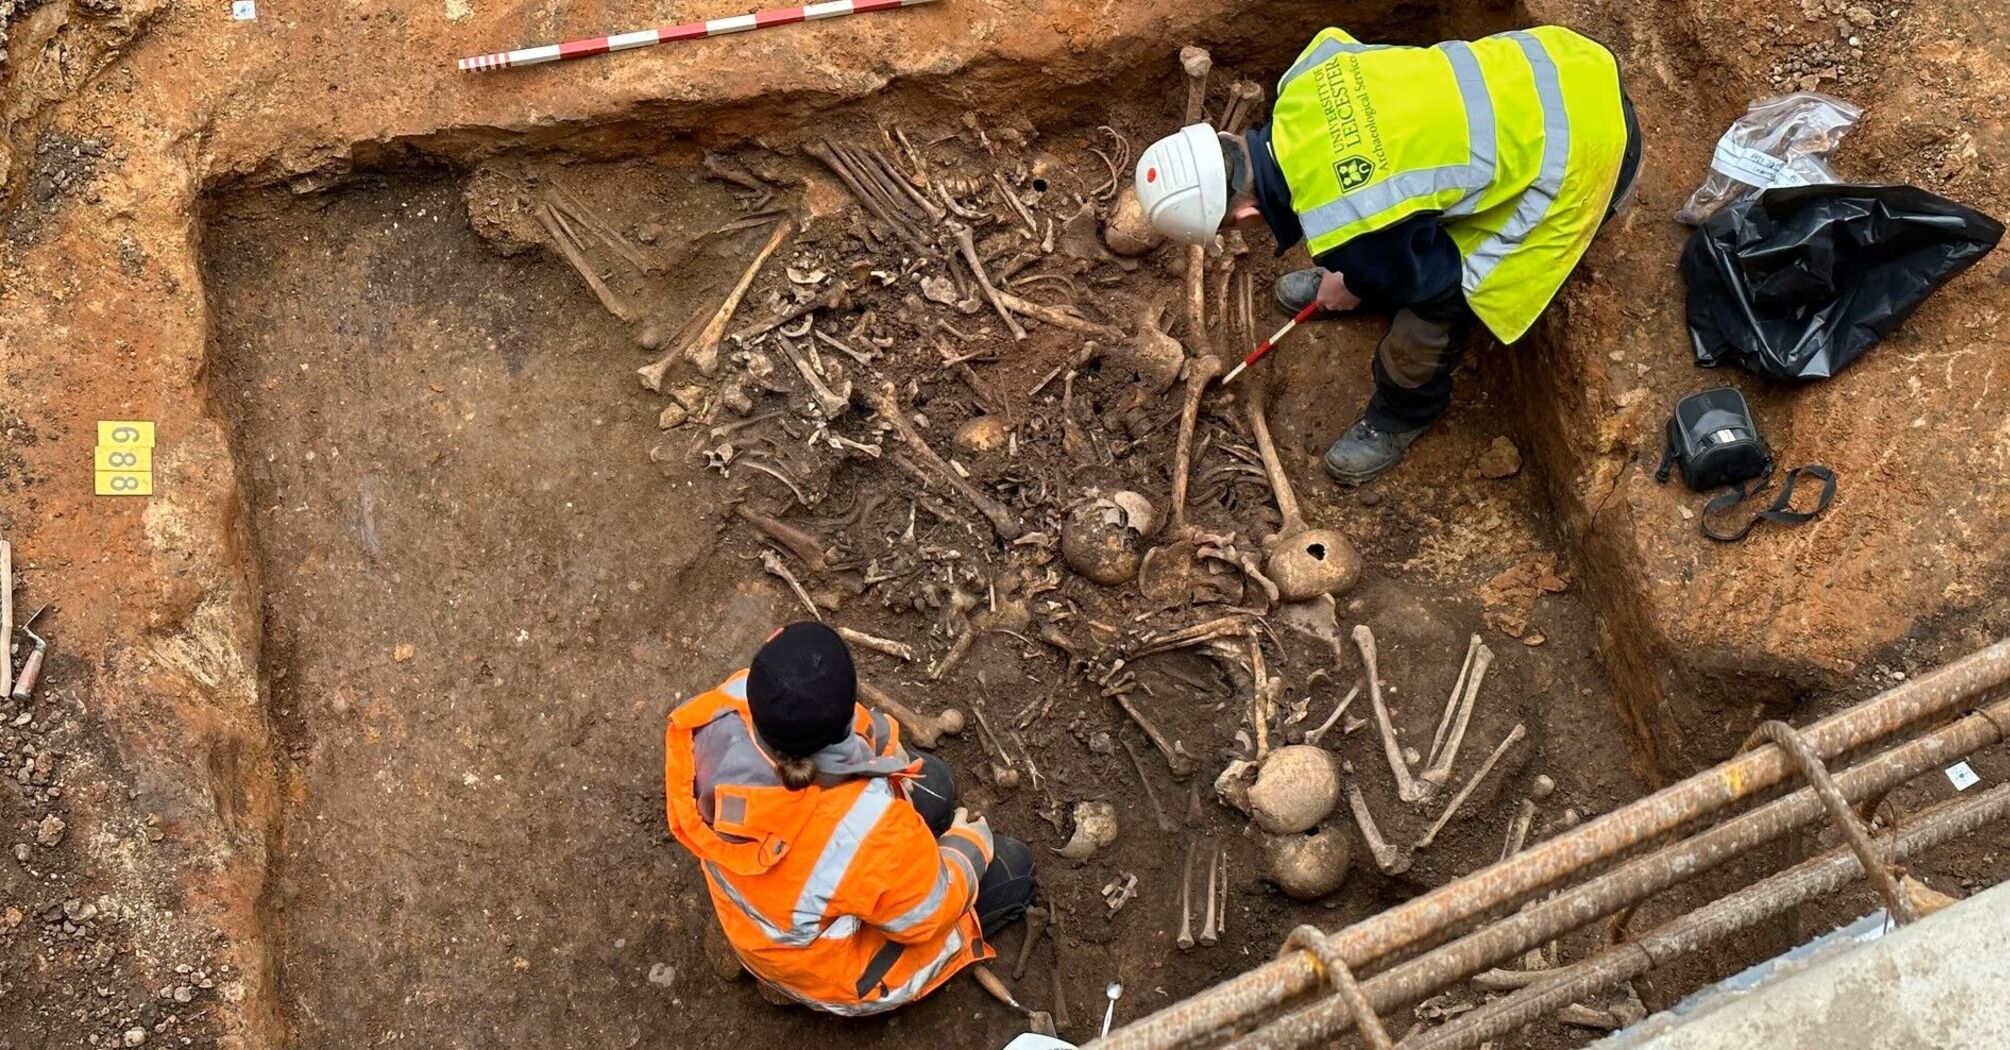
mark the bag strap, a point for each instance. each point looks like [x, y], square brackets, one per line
[1668, 454]
[1778, 512]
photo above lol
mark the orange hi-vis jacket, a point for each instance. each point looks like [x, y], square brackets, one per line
[837, 894]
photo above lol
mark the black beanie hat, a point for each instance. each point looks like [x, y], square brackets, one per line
[801, 690]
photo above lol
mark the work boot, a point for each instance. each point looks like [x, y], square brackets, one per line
[1007, 885]
[1365, 452]
[1295, 290]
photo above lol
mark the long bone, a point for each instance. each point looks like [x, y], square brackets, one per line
[1407, 788]
[1452, 808]
[1452, 702]
[1440, 772]
[1393, 860]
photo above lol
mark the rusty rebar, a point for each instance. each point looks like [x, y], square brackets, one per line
[1345, 987]
[1852, 829]
[1632, 882]
[1508, 882]
[1713, 922]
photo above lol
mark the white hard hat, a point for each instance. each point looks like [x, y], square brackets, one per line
[1029, 1041]
[1183, 184]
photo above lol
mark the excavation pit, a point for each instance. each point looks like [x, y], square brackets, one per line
[488, 575]
[405, 724]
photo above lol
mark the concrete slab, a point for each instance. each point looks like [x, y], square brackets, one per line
[1937, 983]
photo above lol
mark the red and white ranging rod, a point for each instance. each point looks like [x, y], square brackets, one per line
[1264, 347]
[600, 45]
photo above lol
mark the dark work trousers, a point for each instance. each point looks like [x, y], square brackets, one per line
[1006, 887]
[1414, 362]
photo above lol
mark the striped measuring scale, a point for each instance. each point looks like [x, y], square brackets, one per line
[600, 45]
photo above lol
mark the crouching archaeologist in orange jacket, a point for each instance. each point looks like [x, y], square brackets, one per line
[842, 872]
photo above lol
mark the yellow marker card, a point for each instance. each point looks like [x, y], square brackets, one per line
[117, 457]
[126, 432]
[125, 483]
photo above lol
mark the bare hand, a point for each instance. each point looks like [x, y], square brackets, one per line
[1333, 293]
[963, 819]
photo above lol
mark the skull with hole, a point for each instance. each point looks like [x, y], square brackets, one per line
[1313, 562]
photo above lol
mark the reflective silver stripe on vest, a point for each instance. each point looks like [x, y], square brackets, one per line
[768, 929]
[871, 804]
[806, 918]
[1469, 178]
[954, 846]
[1326, 49]
[736, 687]
[1548, 185]
[912, 917]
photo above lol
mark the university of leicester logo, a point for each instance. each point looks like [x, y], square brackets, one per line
[1353, 172]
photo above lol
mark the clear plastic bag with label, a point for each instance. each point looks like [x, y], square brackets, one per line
[1780, 141]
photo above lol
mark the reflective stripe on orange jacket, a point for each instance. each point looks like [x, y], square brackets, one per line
[837, 894]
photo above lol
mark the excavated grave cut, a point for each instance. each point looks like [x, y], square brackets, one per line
[488, 576]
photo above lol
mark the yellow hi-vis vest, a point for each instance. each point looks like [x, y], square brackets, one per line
[1516, 139]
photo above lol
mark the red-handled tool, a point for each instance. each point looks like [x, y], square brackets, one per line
[1265, 346]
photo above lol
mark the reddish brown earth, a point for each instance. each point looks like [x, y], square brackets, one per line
[377, 432]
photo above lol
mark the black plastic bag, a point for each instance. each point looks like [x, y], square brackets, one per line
[1800, 281]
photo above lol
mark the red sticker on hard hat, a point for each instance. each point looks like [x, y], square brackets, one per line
[1151, 174]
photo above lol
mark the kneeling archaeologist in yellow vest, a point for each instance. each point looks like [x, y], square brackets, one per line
[843, 874]
[1435, 184]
